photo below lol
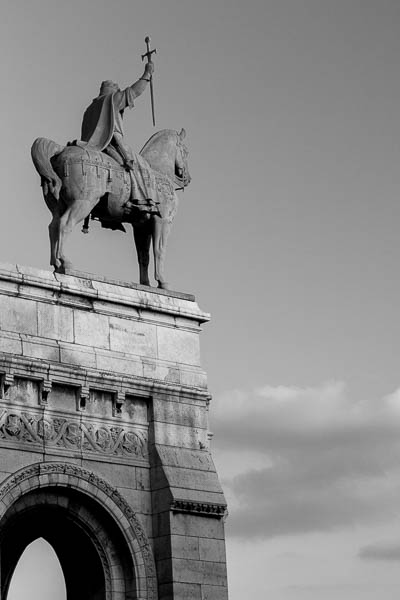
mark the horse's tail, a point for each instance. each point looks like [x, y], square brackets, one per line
[42, 151]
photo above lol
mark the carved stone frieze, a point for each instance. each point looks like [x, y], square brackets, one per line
[72, 434]
[204, 509]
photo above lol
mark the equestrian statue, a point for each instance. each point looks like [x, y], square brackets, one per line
[100, 177]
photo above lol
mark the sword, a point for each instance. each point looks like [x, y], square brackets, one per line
[148, 55]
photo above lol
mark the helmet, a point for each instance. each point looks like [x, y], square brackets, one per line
[108, 87]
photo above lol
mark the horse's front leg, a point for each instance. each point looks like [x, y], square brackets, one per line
[54, 234]
[54, 207]
[142, 236]
[161, 229]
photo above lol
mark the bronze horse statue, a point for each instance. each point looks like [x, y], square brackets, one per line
[79, 181]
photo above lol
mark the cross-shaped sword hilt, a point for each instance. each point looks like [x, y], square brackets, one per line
[149, 52]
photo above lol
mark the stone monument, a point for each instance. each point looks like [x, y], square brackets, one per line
[101, 177]
[104, 439]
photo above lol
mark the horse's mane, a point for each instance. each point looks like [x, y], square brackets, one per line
[154, 138]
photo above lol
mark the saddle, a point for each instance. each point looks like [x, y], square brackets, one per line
[138, 201]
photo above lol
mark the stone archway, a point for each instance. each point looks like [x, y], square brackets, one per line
[101, 546]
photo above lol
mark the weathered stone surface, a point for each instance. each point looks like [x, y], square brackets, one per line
[143, 478]
[101, 385]
[185, 547]
[55, 322]
[43, 349]
[12, 460]
[207, 527]
[91, 329]
[138, 500]
[122, 363]
[179, 547]
[117, 475]
[169, 434]
[185, 458]
[24, 391]
[132, 337]
[181, 591]
[196, 571]
[73, 355]
[179, 413]
[18, 315]
[178, 346]
[136, 409]
[214, 592]
[212, 550]
[10, 343]
[135, 333]
[189, 479]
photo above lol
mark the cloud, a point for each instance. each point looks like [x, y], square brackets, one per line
[386, 551]
[345, 591]
[318, 459]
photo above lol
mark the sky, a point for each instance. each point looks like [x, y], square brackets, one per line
[287, 234]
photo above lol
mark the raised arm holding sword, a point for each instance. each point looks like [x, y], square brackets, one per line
[102, 126]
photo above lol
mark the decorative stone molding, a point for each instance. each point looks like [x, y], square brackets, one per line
[118, 402]
[7, 381]
[84, 394]
[203, 509]
[31, 428]
[19, 366]
[45, 389]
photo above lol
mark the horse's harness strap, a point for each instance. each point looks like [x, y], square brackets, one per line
[90, 163]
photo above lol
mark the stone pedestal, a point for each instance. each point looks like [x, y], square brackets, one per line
[104, 437]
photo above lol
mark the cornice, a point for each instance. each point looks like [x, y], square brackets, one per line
[204, 509]
[84, 377]
[91, 288]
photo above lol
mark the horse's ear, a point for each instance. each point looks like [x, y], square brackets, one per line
[182, 134]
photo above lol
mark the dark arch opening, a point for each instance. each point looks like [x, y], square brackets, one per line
[80, 562]
[89, 543]
[38, 574]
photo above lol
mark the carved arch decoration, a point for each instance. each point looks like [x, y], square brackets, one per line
[25, 487]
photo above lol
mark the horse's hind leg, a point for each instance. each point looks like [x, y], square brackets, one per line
[74, 214]
[161, 229]
[142, 236]
[66, 225]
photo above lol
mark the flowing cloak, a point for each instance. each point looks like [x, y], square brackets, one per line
[100, 121]
[104, 117]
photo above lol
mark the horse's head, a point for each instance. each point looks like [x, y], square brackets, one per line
[166, 152]
[182, 175]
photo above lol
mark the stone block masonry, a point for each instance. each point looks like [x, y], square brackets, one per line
[103, 399]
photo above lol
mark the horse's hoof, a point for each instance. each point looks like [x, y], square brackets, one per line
[60, 269]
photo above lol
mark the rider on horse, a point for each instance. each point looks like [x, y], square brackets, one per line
[102, 127]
